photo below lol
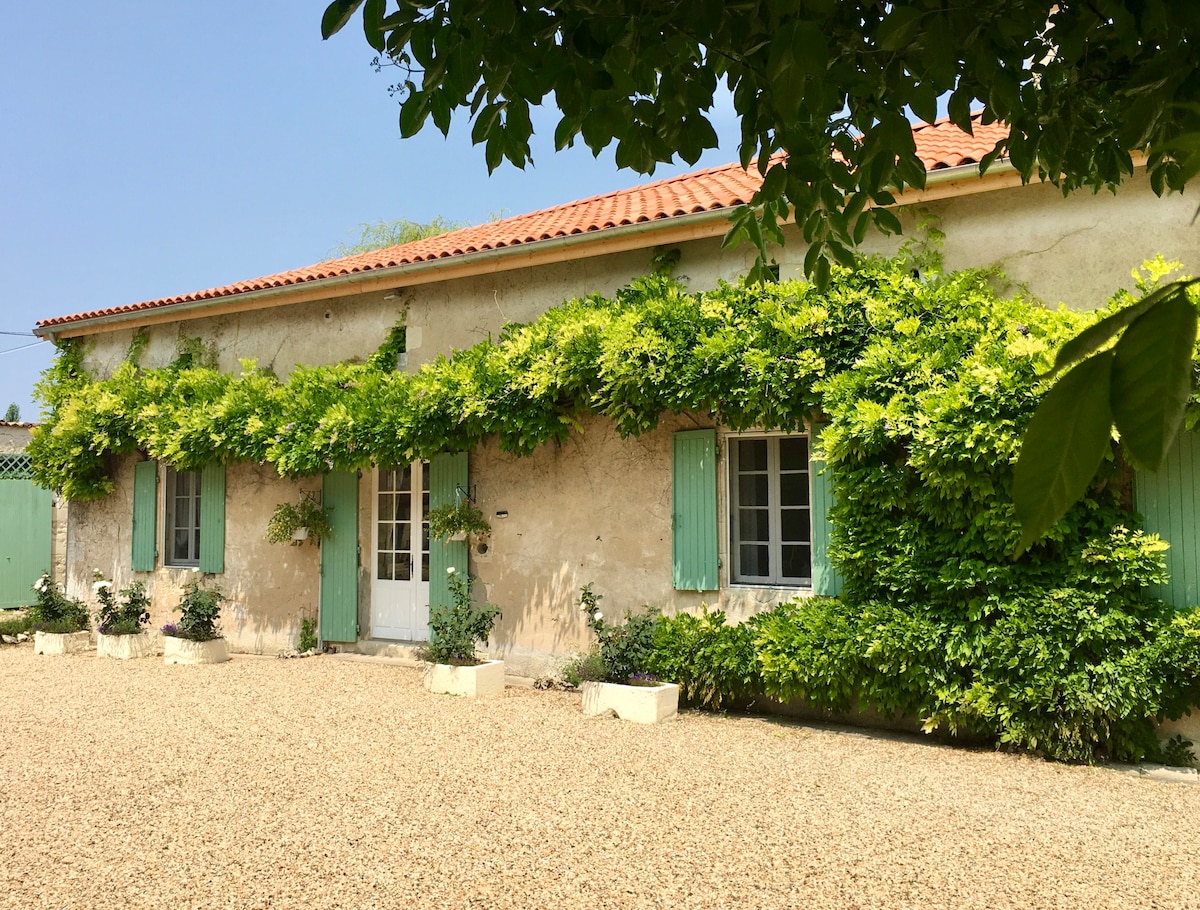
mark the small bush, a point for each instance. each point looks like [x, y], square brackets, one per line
[308, 635]
[200, 609]
[586, 667]
[624, 649]
[126, 614]
[713, 663]
[454, 630]
[54, 611]
[16, 626]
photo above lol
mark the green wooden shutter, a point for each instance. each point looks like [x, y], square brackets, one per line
[339, 558]
[447, 475]
[694, 556]
[145, 513]
[25, 511]
[212, 518]
[1169, 501]
[826, 580]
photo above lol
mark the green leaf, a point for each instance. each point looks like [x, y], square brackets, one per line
[373, 24]
[1094, 336]
[1152, 378]
[1063, 446]
[337, 14]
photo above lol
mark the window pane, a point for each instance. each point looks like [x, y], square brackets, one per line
[404, 480]
[386, 537]
[797, 561]
[755, 561]
[403, 507]
[793, 454]
[403, 567]
[384, 568]
[754, 525]
[752, 490]
[179, 550]
[425, 478]
[387, 479]
[794, 525]
[752, 455]
[424, 567]
[404, 536]
[793, 489]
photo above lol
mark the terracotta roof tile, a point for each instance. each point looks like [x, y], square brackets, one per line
[939, 145]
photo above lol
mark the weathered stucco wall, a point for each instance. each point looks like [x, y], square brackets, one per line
[270, 587]
[13, 438]
[597, 508]
[1078, 251]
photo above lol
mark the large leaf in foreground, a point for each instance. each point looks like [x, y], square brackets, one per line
[1063, 447]
[1152, 378]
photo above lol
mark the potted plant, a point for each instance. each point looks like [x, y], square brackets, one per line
[452, 667]
[121, 621]
[295, 524]
[457, 521]
[60, 624]
[612, 676]
[196, 638]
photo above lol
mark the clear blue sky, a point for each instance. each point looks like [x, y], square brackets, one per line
[150, 149]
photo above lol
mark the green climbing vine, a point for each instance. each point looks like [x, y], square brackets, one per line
[924, 385]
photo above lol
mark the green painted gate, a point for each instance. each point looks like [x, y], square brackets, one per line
[339, 558]
[1169, 501]
[25, 517]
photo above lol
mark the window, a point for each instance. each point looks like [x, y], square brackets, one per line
[770, 508]
[183, 518]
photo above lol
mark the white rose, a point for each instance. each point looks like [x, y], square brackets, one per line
[598, 615]
[449, 570]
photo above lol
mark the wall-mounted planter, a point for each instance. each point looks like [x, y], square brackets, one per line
[640, 704]
[126, 647]
[186, 651]
[300, 534]
[477, 681]
[61, 642]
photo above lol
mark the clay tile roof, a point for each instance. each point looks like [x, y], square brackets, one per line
[939, 145]
[19, 425]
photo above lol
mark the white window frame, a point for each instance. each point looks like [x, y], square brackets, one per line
[192, 560]
[775, 578]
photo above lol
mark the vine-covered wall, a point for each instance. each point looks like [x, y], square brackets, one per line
[925, 383]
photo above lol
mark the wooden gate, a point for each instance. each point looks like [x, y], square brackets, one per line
[25, 516]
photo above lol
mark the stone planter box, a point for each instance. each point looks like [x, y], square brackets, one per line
[640, 704]
[478, 681]
[126, 647]
[61, 643]
[186, 651]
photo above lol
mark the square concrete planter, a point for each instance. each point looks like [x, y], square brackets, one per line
[186, 651]
[61, 642]
[478, 681]
[640, 704]
[127, 647]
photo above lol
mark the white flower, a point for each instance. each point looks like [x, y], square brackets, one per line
[449, 570]
[598, 614]
[101, 585]
[195, 568]
[97, 571]
[40, 584]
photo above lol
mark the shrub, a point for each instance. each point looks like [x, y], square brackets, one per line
[455, 629]
[714, 663]
[623, 649]
[123, 614]
[53, 611]
[200, 608]
[308, 635]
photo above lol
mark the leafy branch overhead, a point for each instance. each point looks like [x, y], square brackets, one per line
[1141, 385]
[823, 90]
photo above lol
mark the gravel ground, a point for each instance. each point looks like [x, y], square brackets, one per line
[336, 783]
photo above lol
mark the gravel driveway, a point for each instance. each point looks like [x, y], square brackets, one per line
[336, 783]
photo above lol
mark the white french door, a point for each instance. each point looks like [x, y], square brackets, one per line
[400, 561]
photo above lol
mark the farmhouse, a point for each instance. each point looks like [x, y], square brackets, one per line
[687, 514]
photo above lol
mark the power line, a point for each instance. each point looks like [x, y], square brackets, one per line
[24, 346]
[23, 334]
